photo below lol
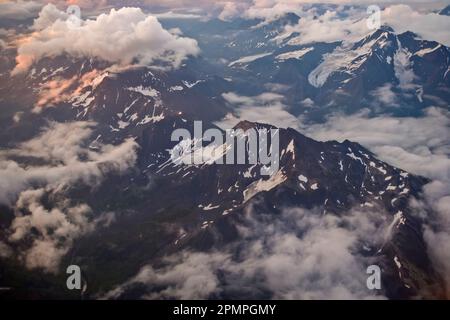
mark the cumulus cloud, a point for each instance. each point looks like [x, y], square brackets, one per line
[46, 235]
[46, 222]
[231, 10]
[186, 276]
[339, 23]
[53, 230]
[298, 255]
[330, 26]
[19, 10]
[123, 36]
[270, 8]
[47, 16]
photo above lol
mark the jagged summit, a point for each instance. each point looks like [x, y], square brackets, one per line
[445, 11]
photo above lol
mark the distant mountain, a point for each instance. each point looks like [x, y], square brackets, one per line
[384, 71]
[445, 11]
[410, 67]
[414, 72]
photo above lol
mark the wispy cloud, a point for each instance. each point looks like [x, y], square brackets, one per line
[300, 254]
[267, 107]
[418, 145]
[44, 233]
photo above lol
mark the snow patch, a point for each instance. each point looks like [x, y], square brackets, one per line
[264, 185]
[298, 54]
[176, 88]
[192, 84]
[426, 51]
[148, 92]
[248, 59]
[302, 178]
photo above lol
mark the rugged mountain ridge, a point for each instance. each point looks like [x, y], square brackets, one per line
[164, 208]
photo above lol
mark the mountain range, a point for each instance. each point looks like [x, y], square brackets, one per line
[163, 209]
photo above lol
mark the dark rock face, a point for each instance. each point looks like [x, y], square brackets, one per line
[445, 11]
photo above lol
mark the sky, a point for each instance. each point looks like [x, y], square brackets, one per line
[21, 9]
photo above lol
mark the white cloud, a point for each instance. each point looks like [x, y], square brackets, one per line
[121, 36]
[18, 10]
[267, 107]
[41, 234]
[328, 27]
[418, 145]
[46, 235]
[61, 148]
[385, 95]
[351, 25]
[177, 15]
[298, 255]
[47, 16]
[429, 26]
[437, 228]
[53, 230]
[187, 276]
[231, 10]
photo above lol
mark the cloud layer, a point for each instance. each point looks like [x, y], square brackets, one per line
[300, 254]
[44, 234]
[61, 147]
[18, 10]
[349, 25]
[418, 145]
[267, 107]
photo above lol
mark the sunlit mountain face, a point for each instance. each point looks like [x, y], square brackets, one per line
[106, 164]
